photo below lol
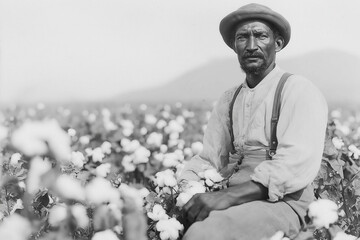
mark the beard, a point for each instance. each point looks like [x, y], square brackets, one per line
[250, 68]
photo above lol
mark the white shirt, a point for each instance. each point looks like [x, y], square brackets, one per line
[300, 133]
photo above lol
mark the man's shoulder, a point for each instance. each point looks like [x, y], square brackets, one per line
[227, 96]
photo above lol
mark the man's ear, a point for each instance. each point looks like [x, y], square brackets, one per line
[234, 46]
[279, 43]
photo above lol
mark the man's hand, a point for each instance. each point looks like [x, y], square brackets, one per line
[200, 205]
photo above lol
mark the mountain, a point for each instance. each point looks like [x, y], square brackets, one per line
[333, 71]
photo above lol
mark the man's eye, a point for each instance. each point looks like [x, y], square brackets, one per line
[240, 37]
[262, 36]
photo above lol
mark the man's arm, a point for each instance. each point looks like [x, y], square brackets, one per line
[199, 206]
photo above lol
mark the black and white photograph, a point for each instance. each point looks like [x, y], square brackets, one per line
[179, 120]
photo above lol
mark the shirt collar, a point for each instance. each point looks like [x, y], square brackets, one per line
[267, 80]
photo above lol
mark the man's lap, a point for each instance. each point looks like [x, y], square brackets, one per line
[255, 220]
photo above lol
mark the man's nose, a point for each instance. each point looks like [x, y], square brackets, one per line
[252, 45]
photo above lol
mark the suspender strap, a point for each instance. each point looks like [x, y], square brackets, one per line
[274, 117]
[276, 113]
[232, 150]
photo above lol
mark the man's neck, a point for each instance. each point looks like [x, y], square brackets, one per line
[254, 79]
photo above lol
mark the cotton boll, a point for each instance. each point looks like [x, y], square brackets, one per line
[137, 195]
[161, 124]
[323, 213]
[3, 133]
[38, 167]
[213, 175]
[344, 236]
[84, 140]
[127, 163]
[103, 170]
[100, 191]
[15, 227]
[36, 138]
[338, 142]
[107, 234]
[106, 147]
[183, 198]
[69, 188]
[141, 155]
[78, 159]
[71, 132]
[165, 178]
[14, 159]
[150, 119]
[97, 155]
[196, 147]
[57, 214]
[80, 215]
[154, 139]
[169, 229]
[158, 213]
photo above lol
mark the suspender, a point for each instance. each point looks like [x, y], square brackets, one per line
[274, 117]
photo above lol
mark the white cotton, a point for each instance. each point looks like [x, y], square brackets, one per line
[213, 175]
[78, 159]
[14, 159]
[57, 214]
[154, 139]
[37, 138]
[38, 167]
[129, 146]
[163, 148]
[137, 195]
[141, 155]
[279, 235]
[15, 227]
[165, 178]
[323, 213]
[150, 119]
[158, 213]
[107, 234]
[197, 147]
[106, 147]
[71, 132]
[169, 229]
[69, 188]
[338, 142]
[103, 170]
[99, 190]
[161, 124]
[97, 155]
[80, 215]
[127, 163]
[171, 159]
[335, 113]
[174, 126]
[344, 236]
[189, 190]
[356, 151]
[183, 198]
[84, 140]
[3, 133]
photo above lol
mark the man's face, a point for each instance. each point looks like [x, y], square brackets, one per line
[255, 45]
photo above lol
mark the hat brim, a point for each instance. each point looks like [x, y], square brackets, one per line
[228, 24]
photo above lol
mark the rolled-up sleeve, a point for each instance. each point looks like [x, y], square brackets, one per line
[216, 142]
[301, 134]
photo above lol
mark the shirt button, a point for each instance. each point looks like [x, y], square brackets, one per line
[248, 105]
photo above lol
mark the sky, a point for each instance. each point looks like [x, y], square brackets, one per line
[87, 50]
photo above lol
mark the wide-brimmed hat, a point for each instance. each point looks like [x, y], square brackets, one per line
[253, 11]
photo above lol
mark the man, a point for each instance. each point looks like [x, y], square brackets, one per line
[267, 192]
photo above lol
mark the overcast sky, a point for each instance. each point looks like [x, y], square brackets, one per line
[92, 50]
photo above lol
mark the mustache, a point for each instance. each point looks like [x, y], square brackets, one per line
[254, 54]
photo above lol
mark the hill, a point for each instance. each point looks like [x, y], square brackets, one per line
[334, 72]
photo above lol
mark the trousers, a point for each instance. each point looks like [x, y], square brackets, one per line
[257, 220]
